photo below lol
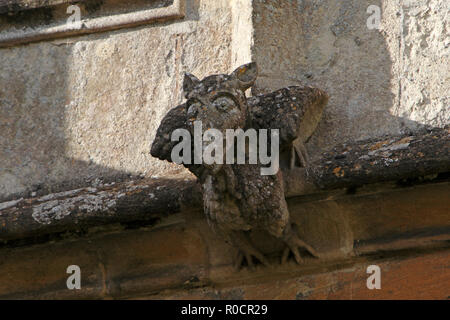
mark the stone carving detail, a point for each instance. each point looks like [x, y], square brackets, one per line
[237, 198]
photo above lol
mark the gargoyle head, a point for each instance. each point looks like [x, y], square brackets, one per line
[219, 101]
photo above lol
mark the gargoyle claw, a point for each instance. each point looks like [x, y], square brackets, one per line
[248, 257]
[293, 244]
[247, 252]
[299, 154]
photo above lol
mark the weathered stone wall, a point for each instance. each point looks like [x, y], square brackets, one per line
[242, 32]
[380, 81]
[82, 108]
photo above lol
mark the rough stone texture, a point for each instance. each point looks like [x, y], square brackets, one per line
[349, 168]
[111, 264]
[84, 108]
[422, 277]
[142, 202]
[181, 257]
[389, 159]
[385, 81]
[52, 20]
[242, 32]
[78, 109]
[17, 5]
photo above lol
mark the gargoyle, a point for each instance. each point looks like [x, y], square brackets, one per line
[237, 197]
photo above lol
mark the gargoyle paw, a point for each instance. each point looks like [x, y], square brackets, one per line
[243, 256]
[293, 244]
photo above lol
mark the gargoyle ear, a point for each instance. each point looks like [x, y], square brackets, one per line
[246, 75]
[189, 82]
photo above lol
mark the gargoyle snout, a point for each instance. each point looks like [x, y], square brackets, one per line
[155, 149]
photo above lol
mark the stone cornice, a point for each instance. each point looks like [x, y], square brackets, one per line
[15, 37]
[351, 168]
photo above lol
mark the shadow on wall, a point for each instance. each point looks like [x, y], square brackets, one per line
[77, 112]
[33, 117]
[329, 44]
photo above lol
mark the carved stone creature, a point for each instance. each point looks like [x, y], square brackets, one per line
[237, 198]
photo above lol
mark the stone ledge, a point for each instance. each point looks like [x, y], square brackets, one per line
[418, 275]
[99, 24]
[180, 255]
[389, 159]
[360, 164]
[143, 201]
[18, 5]
[184, 259]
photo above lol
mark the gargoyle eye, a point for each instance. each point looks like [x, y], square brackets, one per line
[223, 103]
[192, 106]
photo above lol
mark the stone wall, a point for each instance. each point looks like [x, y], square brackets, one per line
[381, 81]
[84, 108]
[78, 109]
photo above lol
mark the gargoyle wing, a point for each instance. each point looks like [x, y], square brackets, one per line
[162, 145]
[295, 111]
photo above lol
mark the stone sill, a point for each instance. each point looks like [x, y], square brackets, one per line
[180, 257]
[60, 29]
[19, 5]
[358, 169]
[403, 272]
[149, 239]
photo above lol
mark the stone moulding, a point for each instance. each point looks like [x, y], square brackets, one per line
[346, 167]
[15, 37]
[17, 5]
[149, 238]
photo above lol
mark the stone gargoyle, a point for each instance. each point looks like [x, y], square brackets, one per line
[237, 197]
